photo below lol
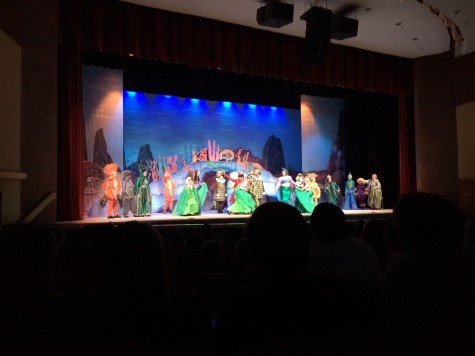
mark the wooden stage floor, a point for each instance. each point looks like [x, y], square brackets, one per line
[214, 219]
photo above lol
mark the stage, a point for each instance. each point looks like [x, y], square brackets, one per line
[214, 219]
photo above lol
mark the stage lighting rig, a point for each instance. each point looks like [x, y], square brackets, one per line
[275, 14]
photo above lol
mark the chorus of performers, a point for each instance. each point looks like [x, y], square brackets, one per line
[247, 192]
[365, 193]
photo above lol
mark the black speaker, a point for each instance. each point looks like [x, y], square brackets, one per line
[275, 14]
[317, 34]
[343, 27]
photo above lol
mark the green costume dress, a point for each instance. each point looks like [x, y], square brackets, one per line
[144, 200]
[243, 204]
[331, 190]
[304, 200]
[375, 195]
[190, 200]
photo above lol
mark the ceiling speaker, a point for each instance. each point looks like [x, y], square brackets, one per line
[275, 14]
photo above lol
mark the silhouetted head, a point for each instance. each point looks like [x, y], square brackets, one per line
[26, 254]
[133, 262]
[277, 236]
[328, 222]
[212, 250]
[428, 223]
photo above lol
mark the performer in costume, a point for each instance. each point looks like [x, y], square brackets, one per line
[168, 190]
[111, 187]
[142, 191]
[331, 190]
[361, 193]
[284, 186]
[219, 196]
[128, 192]
[191, 198]
[243, 203]
[236, 182]
[350, 201]
[258, 188]
[375, 193]
[312, 178]
[303, 195]
[252, 185]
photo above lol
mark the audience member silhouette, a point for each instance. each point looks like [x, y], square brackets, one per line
[469, 236]
[374, 235]
[278, 300]
[429, 290]
[332, 252]
[133, 304]
[194, 242]
[212, 250]
[27, 253]
[349, 274]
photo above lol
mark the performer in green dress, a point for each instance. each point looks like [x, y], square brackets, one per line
[331, 190]
[375, 193]
[284, 187]
[142, 190]
[303, 195]
[243, 201]
[191, 198]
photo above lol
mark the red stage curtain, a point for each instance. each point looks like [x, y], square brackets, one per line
[70, 189]
[121, 28]
[407, 173]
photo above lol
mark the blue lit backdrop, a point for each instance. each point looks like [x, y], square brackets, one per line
[176, 126]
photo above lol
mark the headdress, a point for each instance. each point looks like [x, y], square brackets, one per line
[142, 168]
[312, 175]
[111, 167]
[360, 181]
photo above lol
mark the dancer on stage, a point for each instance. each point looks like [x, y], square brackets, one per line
[219, 196]
[111, 187]
[375, 193]
[361, 193]
[312, 178]
[284, 186]
[350, 201]
[236, 182]
[243, 201]
[168, 190]
[303, 195]
[128, 192]
[142, 190]
[192, 197]
[332, 190]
